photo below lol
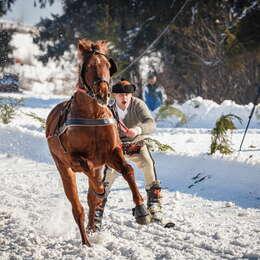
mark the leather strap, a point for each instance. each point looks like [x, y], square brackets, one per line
[90, 122]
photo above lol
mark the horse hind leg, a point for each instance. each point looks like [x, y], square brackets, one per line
[96, 201]
[119, 163]
[70, 187]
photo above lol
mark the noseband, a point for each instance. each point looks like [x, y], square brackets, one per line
[83, 84]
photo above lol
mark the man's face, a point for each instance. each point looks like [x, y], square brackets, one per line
[123, 100]
[152, 80]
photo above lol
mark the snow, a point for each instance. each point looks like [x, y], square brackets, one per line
[23, 41]
[214, 200]
[202, 113]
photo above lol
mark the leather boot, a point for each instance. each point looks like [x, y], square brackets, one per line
[153, 201]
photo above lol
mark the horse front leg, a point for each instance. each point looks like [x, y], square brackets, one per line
[118, 162]
[70, 187]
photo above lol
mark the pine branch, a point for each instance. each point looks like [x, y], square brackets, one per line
[168, 110]
[156, 146]
[8, 109]
[219, 134]
[37, 118]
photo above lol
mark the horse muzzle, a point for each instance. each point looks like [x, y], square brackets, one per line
[102, 99]
[103, 93]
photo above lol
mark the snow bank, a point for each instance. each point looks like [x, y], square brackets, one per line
[203, 113]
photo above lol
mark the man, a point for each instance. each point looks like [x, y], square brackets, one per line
[135, 122]
[153, 95]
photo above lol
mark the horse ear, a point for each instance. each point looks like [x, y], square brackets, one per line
[81, 46]
[113, 67]
[101, 45]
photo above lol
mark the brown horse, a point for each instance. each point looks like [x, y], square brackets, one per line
[83, 137]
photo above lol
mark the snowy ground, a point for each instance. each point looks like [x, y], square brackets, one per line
[214, 200]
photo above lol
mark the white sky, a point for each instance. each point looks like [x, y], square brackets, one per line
[24, 11]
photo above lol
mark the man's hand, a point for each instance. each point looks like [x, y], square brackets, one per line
[133, 132]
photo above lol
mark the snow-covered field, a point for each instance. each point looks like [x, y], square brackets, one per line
[214, 200]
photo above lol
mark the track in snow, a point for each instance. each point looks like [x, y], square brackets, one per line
[36, 222]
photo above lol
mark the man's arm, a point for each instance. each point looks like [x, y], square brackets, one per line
[144, 93]
[163, 95]
[147, 124]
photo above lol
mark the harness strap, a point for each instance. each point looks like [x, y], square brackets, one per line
[89, 122]
[120, 123]
[86, 123]
[63, 114]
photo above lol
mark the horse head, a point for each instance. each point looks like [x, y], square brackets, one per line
[96, 69]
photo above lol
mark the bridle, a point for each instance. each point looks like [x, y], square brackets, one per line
[82, 82]
[86, 88]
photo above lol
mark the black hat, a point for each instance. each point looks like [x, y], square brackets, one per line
[123, 86]
[151, 75]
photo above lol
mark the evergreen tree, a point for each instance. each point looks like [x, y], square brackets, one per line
[5, 35]
[194, 49]
[5, 5]
[130, 25]
[5, 48]
[195, 56]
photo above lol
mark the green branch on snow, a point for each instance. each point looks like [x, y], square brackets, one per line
[156, 146]
[8, 109]
[37, 118]
[168, 110]
[219, 134]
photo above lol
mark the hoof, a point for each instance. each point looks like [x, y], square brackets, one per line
[143, 220]
[86, 243]
[169, 225]
[93, 229]
[90, 229]
[142, 215]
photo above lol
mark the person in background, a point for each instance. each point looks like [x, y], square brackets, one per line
[153, 94]
[135, 122]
